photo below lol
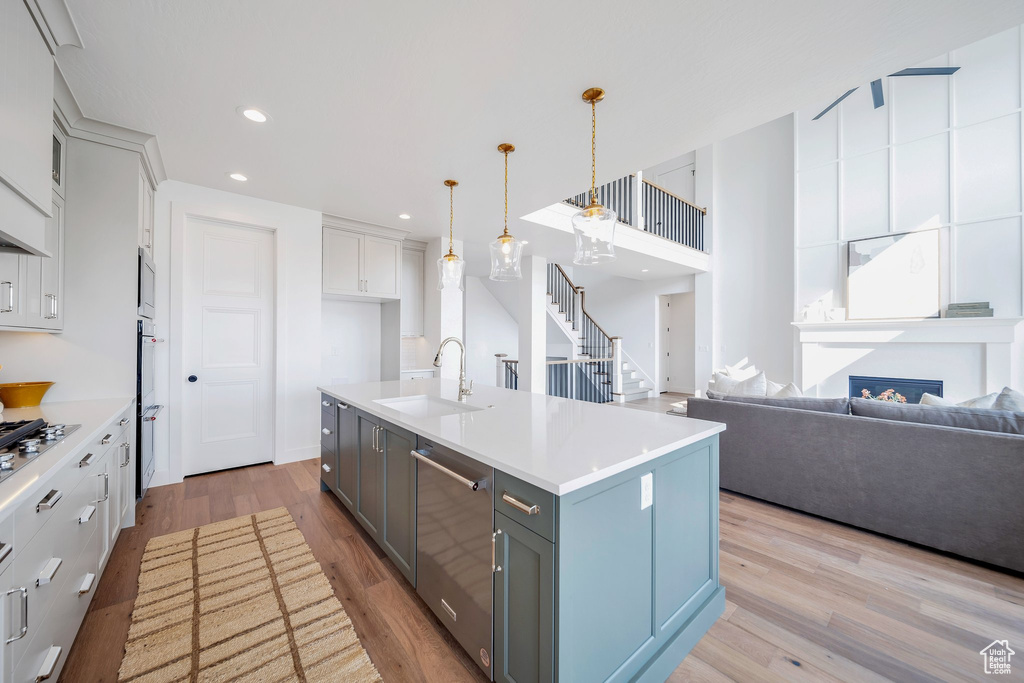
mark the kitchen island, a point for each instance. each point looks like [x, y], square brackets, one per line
[556, 539]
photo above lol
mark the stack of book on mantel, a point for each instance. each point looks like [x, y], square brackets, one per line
[976, 309]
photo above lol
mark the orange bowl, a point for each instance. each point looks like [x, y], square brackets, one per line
[23, 394]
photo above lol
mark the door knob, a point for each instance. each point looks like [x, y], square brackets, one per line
[192, 378]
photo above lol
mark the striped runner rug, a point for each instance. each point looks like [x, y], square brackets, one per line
[239, 600]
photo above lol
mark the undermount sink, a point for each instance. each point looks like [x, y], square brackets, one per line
[426, 406]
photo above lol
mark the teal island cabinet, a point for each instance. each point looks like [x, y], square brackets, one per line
[600, 549]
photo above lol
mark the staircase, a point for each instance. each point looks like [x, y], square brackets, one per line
[598, 355]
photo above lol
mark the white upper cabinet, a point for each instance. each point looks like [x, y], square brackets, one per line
[145, 212]
[382, 267]
[412, 293]
[361, 266]
[343, 255]
[26, 136]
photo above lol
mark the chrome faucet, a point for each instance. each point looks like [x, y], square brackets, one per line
[463, 391]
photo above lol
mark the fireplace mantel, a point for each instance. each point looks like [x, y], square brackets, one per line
[916, 331]
[973, 355]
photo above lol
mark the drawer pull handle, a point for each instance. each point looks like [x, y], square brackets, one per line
[49, 663]
[520, 505]
[49, 571]
[24, 614]
[87, 514]
[49, 501]
[106, 487]
[127, 446]
[468, 483]
[105, 440]
[5, 550]
[87, 582]
[87, 460]
[325, 404]
[343, 406]
[326, 467]
[123, 422]
[326, 431]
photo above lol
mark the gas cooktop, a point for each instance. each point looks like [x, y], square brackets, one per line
[21, 442]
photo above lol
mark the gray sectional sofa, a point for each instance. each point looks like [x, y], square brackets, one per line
[882, 468]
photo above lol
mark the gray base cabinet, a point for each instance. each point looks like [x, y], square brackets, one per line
[398, 499]
[524, 604]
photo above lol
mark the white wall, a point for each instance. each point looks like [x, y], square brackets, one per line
[95, 356]
[349, 342]
[629, 309]
[489, 330]
[753, 249]
[298, 300]
[682, 343]
[944, 152]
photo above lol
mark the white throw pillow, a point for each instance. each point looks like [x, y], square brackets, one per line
[736, 372]
[1011, 400]
[986, 402]
[752, 386]
[789, 391]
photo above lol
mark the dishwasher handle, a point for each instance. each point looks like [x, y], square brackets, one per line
[468, 483]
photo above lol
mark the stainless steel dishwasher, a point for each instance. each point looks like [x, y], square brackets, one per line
[454, 545]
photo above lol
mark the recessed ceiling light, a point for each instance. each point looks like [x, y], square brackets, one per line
[253, 114]
[523, 242]
[404, 216]
[644, 270]
[237, 176]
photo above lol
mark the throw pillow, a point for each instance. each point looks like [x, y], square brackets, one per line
[776, 390]
[987, 402]
[752, 386]
[740, 373]
[1011, 400]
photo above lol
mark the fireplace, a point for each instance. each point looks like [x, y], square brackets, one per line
[913, 389]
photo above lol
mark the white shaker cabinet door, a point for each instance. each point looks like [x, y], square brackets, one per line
[343, 255]
[382, 267]
[412, 293]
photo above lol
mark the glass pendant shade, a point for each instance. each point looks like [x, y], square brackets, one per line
[506, 255]
[449, 271]
[594, 228]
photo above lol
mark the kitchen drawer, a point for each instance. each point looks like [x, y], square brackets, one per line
[29, 518]
[329, 468]
[6, 543]
[329, 418]
[328, 403]
[531, 506]
[329, 440]
[64, 537]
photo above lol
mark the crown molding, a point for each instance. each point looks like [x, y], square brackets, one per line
[414, 244]
[76, 125]
[55, 23]
[330, 221]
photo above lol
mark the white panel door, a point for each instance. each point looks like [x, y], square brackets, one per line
[343, 268]
[678, 181]
[382, 267]
[227, 347]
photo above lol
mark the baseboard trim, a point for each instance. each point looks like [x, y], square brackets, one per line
[661, 666]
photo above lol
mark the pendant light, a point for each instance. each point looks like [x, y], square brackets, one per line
[506, 251]
[450, 267]
[594, 226]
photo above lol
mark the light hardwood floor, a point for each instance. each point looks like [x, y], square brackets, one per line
[807, 599]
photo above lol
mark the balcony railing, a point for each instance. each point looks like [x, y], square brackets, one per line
[652, 209]
[583, 380]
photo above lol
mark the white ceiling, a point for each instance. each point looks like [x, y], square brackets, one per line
[375, 103]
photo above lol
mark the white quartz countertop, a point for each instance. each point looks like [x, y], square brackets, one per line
[92, 415]
[555, 443]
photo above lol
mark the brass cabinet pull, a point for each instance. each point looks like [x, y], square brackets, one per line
[520, 505]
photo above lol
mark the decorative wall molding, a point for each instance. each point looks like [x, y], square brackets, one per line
[76, 125]
[331, 221]
[57, 26]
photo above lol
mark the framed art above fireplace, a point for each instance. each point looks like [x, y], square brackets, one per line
[893, 276]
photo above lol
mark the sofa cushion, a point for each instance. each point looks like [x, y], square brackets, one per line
[982, 419]
[839, 406]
